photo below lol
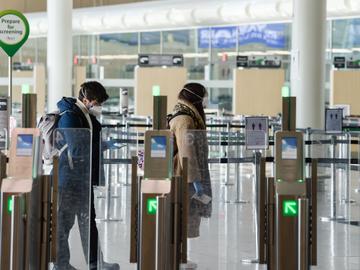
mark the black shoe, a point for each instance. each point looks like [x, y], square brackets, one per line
[105, 266]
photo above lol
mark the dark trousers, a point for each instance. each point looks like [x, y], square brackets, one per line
[74, 201]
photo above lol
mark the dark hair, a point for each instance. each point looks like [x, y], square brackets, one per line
[93, 91]
[194, 94]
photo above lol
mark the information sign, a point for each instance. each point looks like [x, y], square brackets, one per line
[339, 62]
[242, 61]
[264, 62]
[159, 60]
[14, 31]
[334, 120]
[256, 133]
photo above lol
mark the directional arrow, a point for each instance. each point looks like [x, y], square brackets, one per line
[144, 59]
[151, 206]
[290, 208]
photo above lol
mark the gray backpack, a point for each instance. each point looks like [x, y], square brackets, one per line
[47, 125]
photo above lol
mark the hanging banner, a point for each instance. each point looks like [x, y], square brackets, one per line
[353, 30]
[14, 31]
[221, 37]
[270, 35]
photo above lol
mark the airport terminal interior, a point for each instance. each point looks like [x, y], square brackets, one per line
[207, 134]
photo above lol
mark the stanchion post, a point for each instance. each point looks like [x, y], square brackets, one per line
[259, 173]
[333, 205]
[127, 154]
[108, 195]
[108, 187]
[227, 175]
[237, 173]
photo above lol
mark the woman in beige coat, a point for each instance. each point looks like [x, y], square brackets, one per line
[189, 127]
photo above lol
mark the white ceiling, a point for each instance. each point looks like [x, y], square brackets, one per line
[179, 14]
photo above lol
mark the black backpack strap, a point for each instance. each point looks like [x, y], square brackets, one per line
[172, 116]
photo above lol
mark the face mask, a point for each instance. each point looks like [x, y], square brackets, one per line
[205, 102]
[95, 111]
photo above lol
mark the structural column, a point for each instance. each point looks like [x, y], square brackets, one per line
[59, 50]
[308, 62]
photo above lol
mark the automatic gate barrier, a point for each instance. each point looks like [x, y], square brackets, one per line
[158, 204]
[21, 203]
[288, 202]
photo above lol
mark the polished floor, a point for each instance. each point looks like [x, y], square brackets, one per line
[229, 235]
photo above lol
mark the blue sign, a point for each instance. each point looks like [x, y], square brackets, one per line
[270, 35]
[221, 37]
[353, 37]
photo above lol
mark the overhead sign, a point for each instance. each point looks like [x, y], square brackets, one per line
[14, 31]
[256, 133]
[258, 61]
[242, 61]
[353, 63]
[339, 62]
[221, 37]
[159, 60]
[264, 62]
[270, 35]
[151, 206]
[334, 120]
[290, 208]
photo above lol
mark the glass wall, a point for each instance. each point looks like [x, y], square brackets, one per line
[209, 52]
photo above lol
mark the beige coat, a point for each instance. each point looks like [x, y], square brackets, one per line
[191, 142]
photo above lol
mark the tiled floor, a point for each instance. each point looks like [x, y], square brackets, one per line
[229, 235]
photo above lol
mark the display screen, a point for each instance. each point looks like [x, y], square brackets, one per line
[158, 147]
[289, 148]
[24, 145]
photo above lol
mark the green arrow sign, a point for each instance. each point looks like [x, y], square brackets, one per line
[14, 31]
[290, 208]
[151, 206]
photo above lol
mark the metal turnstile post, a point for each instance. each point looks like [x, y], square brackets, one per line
[258, 209]
[238, 200]
[334, 193]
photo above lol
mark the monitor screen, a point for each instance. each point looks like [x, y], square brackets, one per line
[24, 145]
[289, 148]
[158, 147]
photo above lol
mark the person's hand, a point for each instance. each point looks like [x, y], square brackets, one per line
[198, 188]
[111, 144]
[199, 193]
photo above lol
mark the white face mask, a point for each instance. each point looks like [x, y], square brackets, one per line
[95, 111]
[205, 102]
